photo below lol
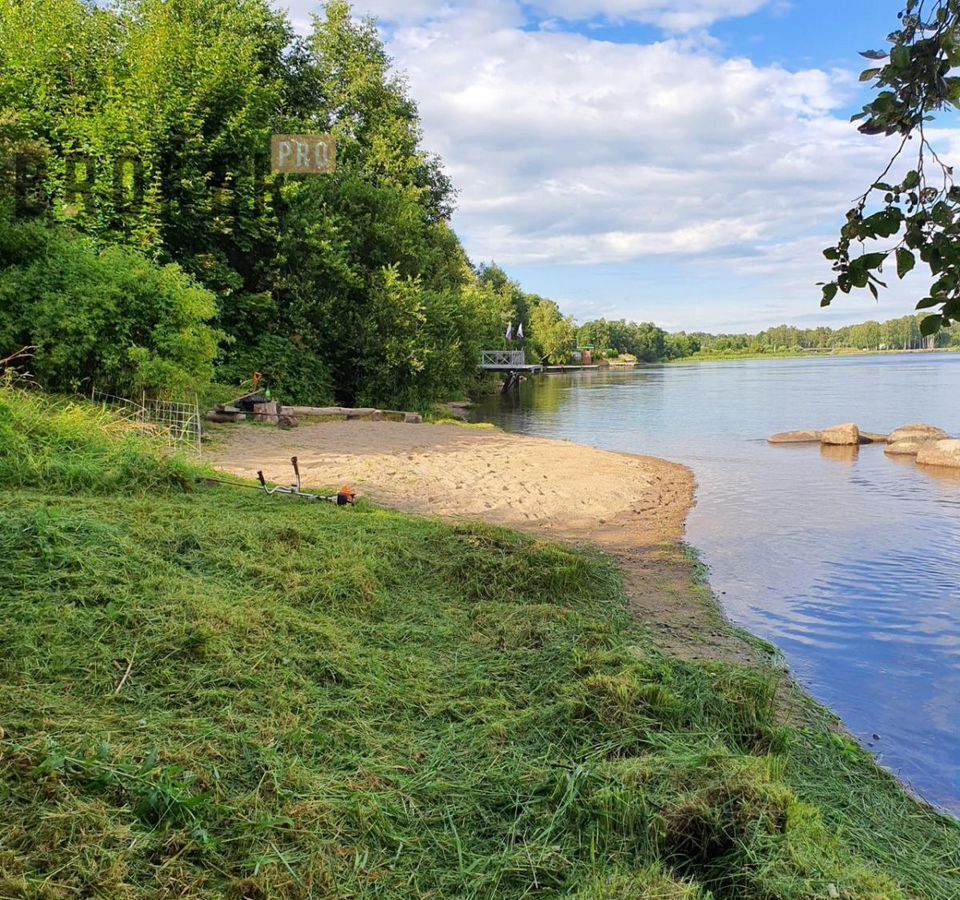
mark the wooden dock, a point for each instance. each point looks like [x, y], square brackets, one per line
[512, 363]
[506, 361]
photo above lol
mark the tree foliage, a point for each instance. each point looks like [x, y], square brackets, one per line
[916, 216]
[644, 340]
[149, 126]
[111, 319]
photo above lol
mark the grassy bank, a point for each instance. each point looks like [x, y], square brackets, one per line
[205, 692]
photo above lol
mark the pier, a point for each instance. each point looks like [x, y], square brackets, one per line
[512, 363]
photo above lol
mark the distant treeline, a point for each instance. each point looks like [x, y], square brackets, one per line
[649, 343]
[895, 334]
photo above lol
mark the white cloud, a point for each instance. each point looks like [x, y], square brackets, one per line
[571, 151]
[674, 15]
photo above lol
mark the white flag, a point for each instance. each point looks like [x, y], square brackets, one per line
[510, 331]
[520, 332]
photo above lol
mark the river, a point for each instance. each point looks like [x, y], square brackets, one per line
[846, 560]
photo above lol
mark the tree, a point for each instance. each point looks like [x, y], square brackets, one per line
[918, 214]
[553, 334]
[353, 284]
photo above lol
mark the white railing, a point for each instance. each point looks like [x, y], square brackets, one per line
[502, 359]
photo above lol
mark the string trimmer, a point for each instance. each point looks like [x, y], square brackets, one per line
[344, 497]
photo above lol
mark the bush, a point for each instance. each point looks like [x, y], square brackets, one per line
[112, 319]
[293, 374]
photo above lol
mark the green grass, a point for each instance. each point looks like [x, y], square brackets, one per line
[208, 693]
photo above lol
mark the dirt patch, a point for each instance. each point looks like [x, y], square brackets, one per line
[632, 507]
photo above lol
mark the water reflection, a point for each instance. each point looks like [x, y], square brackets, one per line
[840, 454]
[842, 556]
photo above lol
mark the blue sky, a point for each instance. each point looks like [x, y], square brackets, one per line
[676, 161]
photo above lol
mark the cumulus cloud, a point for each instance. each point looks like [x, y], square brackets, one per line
[674, 15]
[573, 151]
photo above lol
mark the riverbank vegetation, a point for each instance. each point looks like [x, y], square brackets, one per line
[145, 127]
[649, 343]
[145, 246]
[209, 693]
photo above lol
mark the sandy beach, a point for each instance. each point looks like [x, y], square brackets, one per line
[633, 507]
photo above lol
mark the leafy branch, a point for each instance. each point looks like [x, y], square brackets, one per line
[923, 209]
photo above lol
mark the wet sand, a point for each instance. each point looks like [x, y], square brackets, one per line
[633, 507]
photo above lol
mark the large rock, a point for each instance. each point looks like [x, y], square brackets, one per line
[917, 433]
[905, 448]
[795, 437]
[841, 436]
[871, 437]
[940, 453]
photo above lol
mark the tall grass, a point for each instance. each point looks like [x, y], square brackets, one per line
[214, 694]
[67, 445]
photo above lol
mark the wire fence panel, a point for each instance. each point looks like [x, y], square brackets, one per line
[178, 424]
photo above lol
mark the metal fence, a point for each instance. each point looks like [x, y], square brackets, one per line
[500, 359]
[178, 424]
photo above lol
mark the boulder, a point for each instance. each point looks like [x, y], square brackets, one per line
[871, 437]
[412, 418]
[940, 453]
[841, 436]
[795, 437]
[287, 422]
[917, 433]
[905, 448]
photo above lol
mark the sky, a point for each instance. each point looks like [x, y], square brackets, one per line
[677, 161]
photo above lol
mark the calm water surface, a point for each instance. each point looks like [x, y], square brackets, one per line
[847, 561]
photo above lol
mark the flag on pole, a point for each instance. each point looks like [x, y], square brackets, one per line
[520, 332]
[510, 331]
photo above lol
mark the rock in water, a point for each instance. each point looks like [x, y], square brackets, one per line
[918, 433]
[841, 436]
[905, 448]
[940, 453]
[871, 437]
[795, 437]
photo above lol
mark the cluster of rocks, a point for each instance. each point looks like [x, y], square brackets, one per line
[269, 412]
[930, 445]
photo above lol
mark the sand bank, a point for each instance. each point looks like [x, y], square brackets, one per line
[633, 507]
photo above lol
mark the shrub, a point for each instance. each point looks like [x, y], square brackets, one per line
[293, 374]
[113, 319]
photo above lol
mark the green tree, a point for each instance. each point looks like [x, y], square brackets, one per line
[554, 335]
[184, 96]
[918, 215]
[111, 319]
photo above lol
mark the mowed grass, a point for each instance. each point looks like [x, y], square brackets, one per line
[205, 692]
